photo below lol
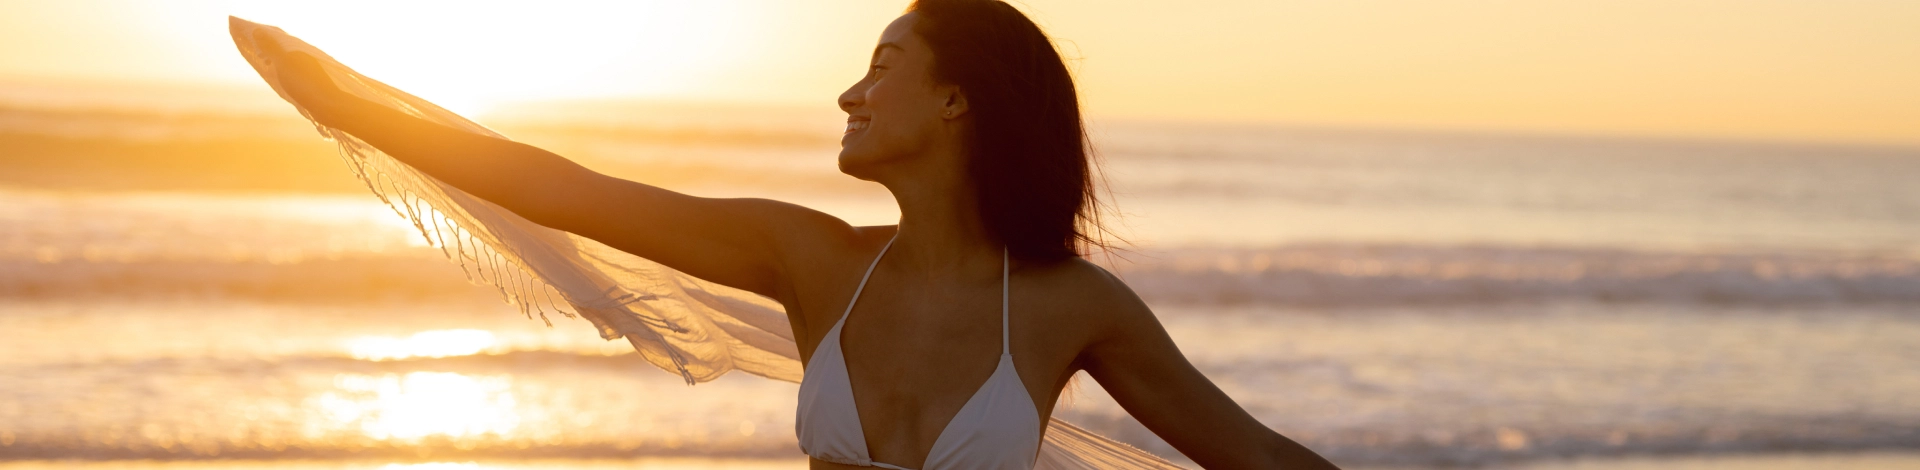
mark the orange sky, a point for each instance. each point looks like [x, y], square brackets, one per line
[1831, 70]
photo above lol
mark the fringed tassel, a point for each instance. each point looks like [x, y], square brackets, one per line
[483, 263]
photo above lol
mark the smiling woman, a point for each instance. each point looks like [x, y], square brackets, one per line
[699, 286]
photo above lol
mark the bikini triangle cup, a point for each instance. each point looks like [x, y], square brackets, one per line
[693, 328]
[997, 428]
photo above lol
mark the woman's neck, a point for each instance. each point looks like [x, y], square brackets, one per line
[941, 231]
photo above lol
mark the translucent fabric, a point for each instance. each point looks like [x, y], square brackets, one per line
[686, 326]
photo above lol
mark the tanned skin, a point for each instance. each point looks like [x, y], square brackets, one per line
[926, 333]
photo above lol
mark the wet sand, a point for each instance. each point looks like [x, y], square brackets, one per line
[1855, 461]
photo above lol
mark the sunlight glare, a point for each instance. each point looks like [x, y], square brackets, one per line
[421, 404]
[470, 55]
[433, 343]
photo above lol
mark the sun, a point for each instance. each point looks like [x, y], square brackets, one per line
[470, 55]
[420, 404]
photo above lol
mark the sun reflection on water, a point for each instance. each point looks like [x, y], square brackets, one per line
[421, 404]
[435, 343]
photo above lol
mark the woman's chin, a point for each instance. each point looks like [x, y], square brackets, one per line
[848, 164]
[857, 165]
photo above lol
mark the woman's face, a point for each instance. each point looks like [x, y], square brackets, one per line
[897, 110]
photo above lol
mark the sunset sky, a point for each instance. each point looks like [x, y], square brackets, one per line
[1836, 70]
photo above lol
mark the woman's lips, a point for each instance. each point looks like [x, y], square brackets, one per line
[854, 125]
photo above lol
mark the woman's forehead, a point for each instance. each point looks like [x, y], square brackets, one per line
[899, 35]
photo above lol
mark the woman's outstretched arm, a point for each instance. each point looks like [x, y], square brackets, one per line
[735, 242]
[1136, 361]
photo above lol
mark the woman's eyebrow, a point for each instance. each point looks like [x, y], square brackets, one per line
[884, 45]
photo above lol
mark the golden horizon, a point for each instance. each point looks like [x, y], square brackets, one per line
[1776, 70]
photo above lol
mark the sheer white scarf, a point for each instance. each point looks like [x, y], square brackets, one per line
[694, 328]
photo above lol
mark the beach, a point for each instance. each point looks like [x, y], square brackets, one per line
[210, 288]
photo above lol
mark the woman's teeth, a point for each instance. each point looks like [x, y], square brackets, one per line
[854, 126]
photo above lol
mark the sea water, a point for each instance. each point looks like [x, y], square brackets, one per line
[1388, 298]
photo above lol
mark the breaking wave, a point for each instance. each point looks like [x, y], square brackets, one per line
[1411, 274]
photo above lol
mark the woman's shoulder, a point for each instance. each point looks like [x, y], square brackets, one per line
[1076, 274]
[845, 249]
[1084, 294]
[811, 240]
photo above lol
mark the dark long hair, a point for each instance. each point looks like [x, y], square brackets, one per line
[1029, 161]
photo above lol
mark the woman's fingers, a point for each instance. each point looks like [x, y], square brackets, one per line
[297, 69]
[301, 76]
[269, 47]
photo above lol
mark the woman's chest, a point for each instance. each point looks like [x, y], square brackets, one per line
[918, 355]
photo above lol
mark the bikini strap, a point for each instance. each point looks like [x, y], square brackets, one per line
[1005, 349]
[863, 279]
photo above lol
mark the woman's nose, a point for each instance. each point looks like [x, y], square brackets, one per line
[850, 98]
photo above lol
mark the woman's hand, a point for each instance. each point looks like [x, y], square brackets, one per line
[301, 76]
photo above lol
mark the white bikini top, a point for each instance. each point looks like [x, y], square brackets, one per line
[998, 428]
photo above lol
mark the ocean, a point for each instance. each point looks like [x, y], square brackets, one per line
[208, 287]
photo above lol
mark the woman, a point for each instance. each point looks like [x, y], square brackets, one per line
[968, 116]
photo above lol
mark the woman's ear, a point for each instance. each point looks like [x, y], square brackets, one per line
[956, 104]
